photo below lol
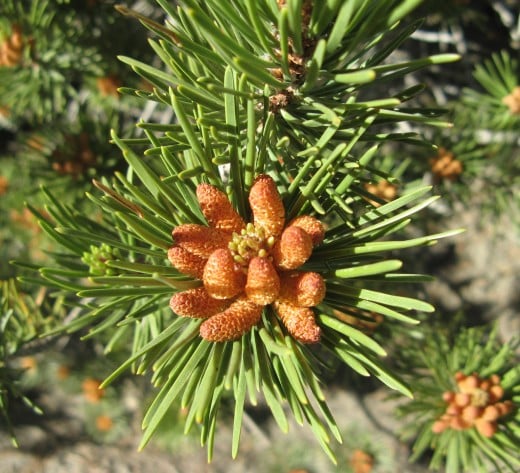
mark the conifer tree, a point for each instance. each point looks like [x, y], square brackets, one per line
[243, 230]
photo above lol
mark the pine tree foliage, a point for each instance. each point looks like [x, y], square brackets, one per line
[310, 94]
[294, 97]
[58, 102]
[22, 319]
[53, 52]
[451, 364]
[481, 150]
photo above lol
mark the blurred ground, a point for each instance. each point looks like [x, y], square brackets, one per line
[59, 447]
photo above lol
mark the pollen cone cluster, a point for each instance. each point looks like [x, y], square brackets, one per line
[245, 267]
[11, 48]
[445, 165]
[513, 101]
[476, 403]
[383, 189]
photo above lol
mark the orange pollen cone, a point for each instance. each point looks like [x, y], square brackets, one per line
[186, 262]
[313, 227]
[200, 240]
[263, 283]
[486, 428]
[292, 249]
[197, 303]
[231, 324]
[267, 206]
[470, 413]
[304, 289]
[218, 210]
[223, 278]
[462, 399]
[439, 426]
[496, 392]
[491, 413]
[299, 321]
